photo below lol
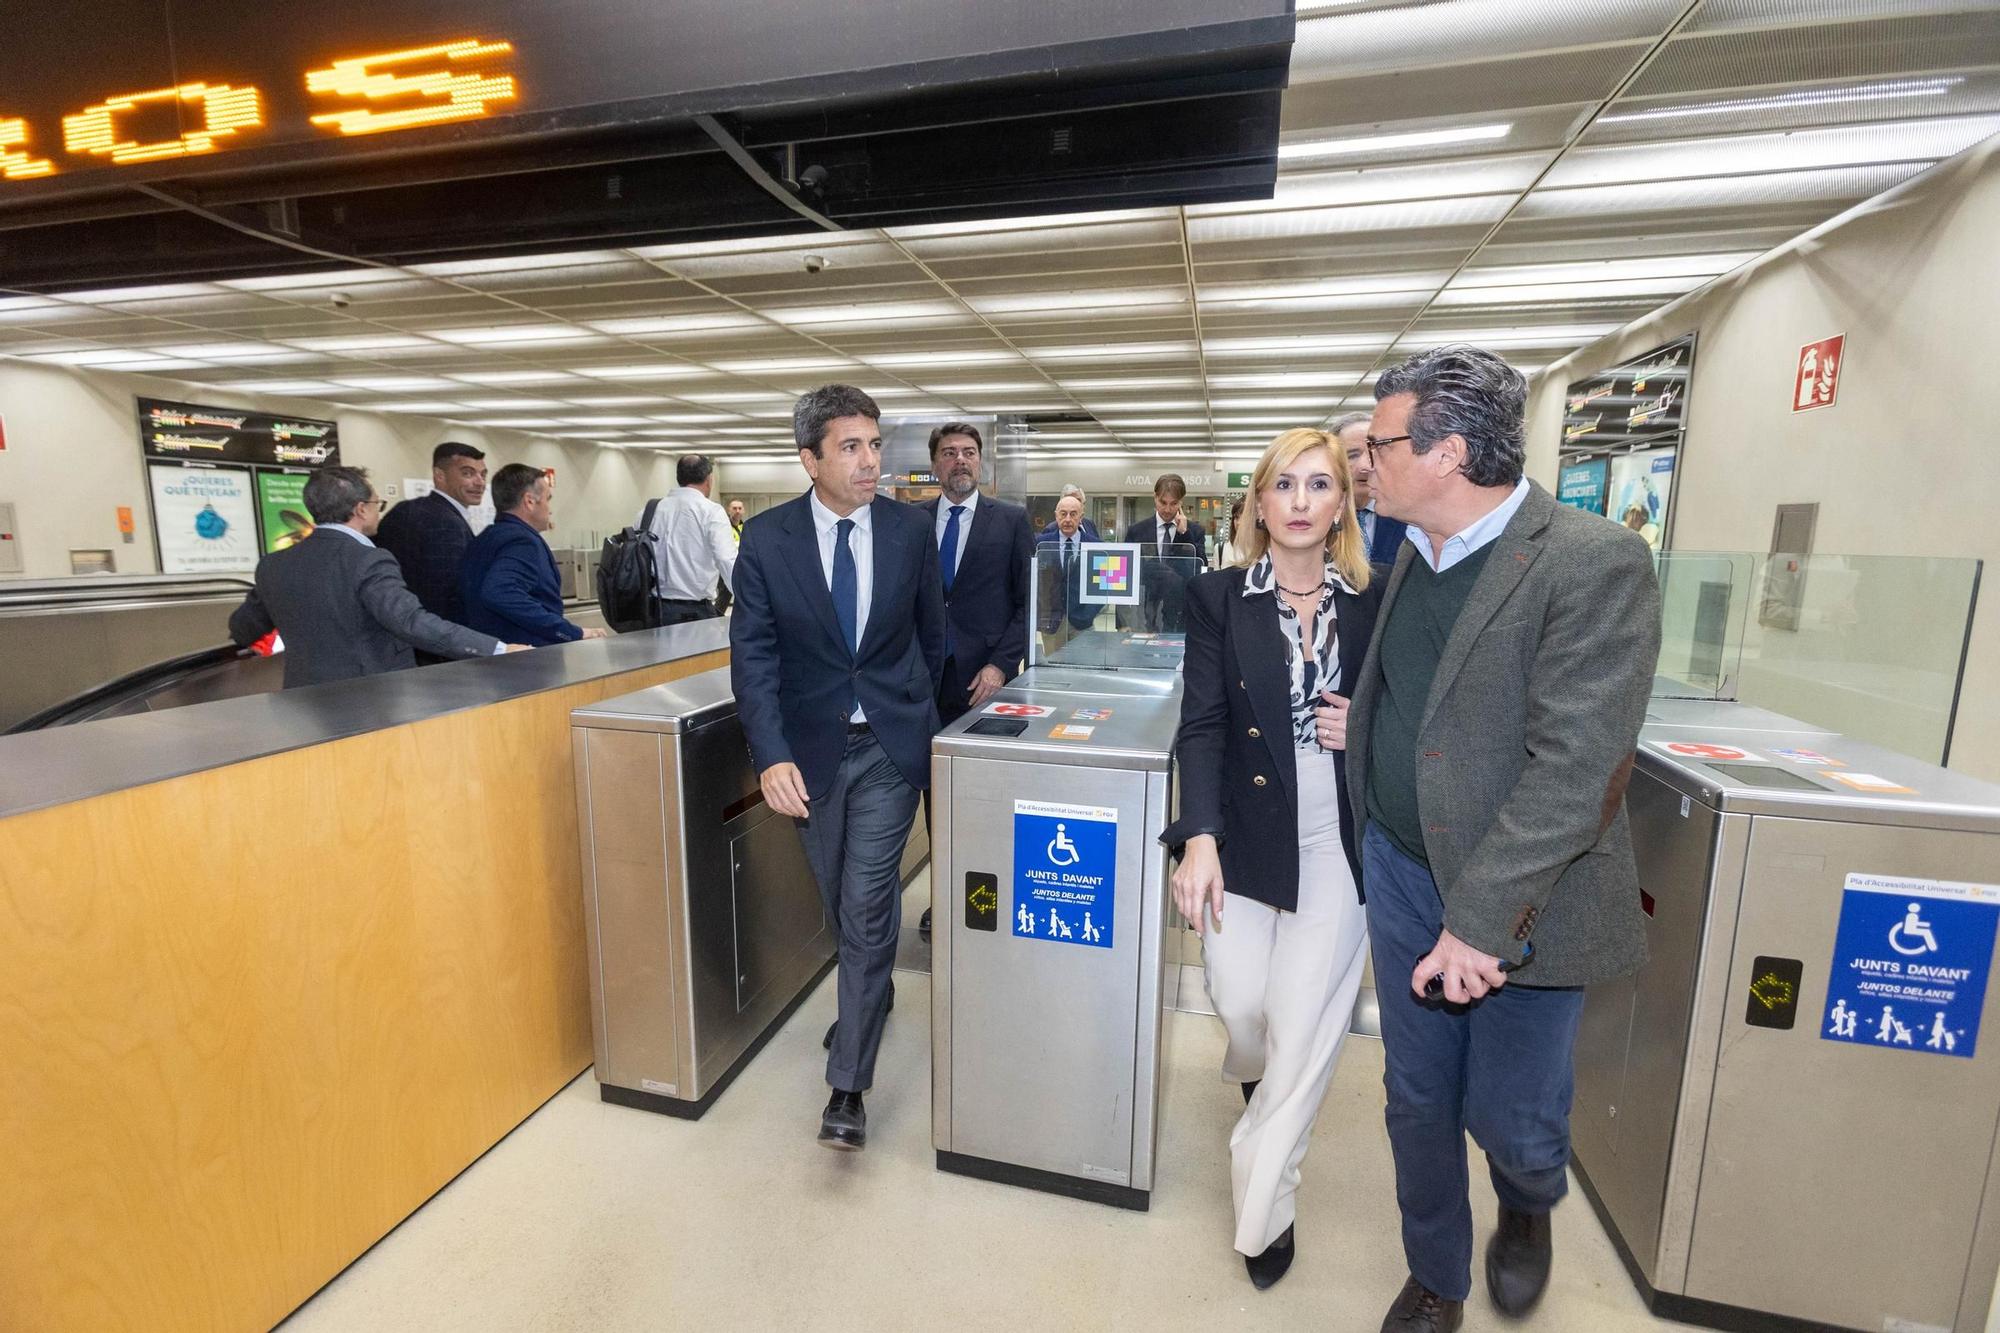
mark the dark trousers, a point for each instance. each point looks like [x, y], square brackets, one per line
[854, 840]
[674, 611]
[1501, 1067]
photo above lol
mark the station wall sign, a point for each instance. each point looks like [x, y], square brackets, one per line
[1817, 380]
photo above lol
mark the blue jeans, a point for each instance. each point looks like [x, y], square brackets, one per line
[1501, 1067]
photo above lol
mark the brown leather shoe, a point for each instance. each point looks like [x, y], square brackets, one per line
[1418, 1309]
[1517, 1261]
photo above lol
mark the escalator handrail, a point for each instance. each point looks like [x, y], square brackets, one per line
[100, 591]
[146, 678]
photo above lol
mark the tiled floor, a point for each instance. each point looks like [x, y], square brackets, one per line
[597, 1217]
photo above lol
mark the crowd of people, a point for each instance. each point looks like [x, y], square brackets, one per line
[1412, 690]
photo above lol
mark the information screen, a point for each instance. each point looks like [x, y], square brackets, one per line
[90, 92]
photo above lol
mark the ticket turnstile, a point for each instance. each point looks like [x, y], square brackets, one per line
[1049, 921]
[1792, 1108]
[705, 926]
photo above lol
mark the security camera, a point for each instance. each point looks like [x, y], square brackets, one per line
[339, 300]
[815, 263]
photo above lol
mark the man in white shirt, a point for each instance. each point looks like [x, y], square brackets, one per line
[694, 544]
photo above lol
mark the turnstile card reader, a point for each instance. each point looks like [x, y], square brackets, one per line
[1791, 1110]
[705, 926]
[1049, 902]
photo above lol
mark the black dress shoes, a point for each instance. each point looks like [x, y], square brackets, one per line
[843, 1126]
[1268, 1267]
[1250, 1089]
[1418, 1309]
[1517, 1261]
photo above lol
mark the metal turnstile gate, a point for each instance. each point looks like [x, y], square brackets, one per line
[1791, 1110]
[706, 928]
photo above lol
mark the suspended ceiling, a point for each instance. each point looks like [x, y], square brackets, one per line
[1526, 177]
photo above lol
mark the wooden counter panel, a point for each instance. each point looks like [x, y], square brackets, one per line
[252, 1018]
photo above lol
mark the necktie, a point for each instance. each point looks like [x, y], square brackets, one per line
[948, 548]
[846, 588]
[1366, 519]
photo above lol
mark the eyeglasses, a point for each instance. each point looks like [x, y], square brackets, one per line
[1375, 444]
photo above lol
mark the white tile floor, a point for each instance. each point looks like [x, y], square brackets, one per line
[592, 1216]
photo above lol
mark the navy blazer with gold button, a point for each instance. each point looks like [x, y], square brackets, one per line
[1238, 774]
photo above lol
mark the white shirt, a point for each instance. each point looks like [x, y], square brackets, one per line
[1481, 533]
[463, 511]
[359, 536]
[861, 541]
[696, 547]
[970, 503]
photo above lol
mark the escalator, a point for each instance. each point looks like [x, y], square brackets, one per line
[224, 672]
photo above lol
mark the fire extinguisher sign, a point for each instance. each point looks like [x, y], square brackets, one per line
[1818, 373]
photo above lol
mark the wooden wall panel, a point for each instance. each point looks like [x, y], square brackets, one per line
[251, 1018]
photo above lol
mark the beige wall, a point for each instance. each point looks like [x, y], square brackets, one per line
[1903, 464]
[72, 459]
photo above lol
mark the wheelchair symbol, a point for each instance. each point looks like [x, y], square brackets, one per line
[1062, 852]
[1915, 929]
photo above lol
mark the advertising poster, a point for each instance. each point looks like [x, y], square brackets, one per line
[204, 518]
[1642, 490]
[281, 505]
[1910, 960]
[1065, 867]
[1582, 485]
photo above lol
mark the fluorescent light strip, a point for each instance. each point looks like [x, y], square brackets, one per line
[519, 263]
[1389, 143]
[503, 404]
[646, 371]
[512, 333]
[340, 277]
[1867, 92]
[512, 376]
[394, 383]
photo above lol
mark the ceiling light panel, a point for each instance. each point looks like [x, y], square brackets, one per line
[1710, 196]
[653, 326]
[1508, 174]
[1404, 37]
[520, 263]
[394, 383]
[1286, 224]
[1797, 150]
[1406, 142]
[867, 313]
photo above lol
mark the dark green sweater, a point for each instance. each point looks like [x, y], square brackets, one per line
[1413, 640]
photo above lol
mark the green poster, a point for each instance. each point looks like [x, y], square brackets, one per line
[281, 508]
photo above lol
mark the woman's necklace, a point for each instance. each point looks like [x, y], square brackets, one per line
[1308, 592]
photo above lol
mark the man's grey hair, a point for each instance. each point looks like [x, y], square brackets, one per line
[829, 402]
[1469, 392]
[1069, 490]
[332, 494]
[1346, 419]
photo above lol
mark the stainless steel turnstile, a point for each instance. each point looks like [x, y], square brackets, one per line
[705, 926]
[1049, 888]
[1792, 1109]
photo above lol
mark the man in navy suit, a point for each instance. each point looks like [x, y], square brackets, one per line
[1381, 535]
[1167, 532]
[1048, 534]
[836, 650]
[984, 553]
[511, 585]
[429, 535]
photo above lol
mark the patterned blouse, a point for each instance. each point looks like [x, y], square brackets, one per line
[1309, 675]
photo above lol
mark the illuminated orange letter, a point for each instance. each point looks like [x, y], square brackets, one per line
[225, 110]
[16, 165]
[465, 93]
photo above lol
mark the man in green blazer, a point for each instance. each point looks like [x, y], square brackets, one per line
[1490, 738]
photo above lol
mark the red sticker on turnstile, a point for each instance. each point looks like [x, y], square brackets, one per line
[1019, 710]
[1704, 750]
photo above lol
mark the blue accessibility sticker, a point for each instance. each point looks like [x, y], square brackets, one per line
[1910, 962]
[1065, 872]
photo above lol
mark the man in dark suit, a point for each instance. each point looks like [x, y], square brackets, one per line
[339, 602]
[1381, 535]
[511, 584]
[428, 535]
[1490, 737]
[1089, 529]
[984, 554]
[1060, 615]
[836, 650]
[1166, 532]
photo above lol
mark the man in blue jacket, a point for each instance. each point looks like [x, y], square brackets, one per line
[512, 588]
[836, 648]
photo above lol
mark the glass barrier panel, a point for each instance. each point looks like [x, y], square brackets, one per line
[1703, 600]
[1110, 605]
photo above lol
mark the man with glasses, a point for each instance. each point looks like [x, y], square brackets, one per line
[1492, 731]
[339, 602]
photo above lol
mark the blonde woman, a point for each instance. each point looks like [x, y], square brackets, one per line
[1269, 869]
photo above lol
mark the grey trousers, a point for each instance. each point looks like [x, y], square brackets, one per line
[854, 840]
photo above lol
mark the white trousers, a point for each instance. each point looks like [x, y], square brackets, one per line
[1284, 984]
